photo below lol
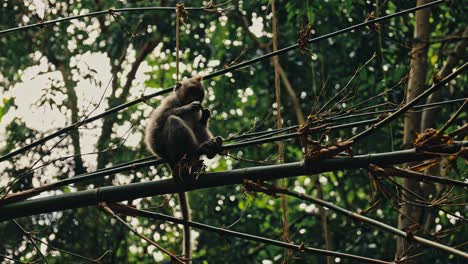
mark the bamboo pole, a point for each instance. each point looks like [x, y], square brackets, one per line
[207, 180]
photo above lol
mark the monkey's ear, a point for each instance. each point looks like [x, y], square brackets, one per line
[177, 86]
[198, 77]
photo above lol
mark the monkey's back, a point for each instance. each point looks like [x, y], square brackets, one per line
[155, 125]
[171, 137]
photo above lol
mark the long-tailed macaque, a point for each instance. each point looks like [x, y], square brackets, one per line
[178, 129]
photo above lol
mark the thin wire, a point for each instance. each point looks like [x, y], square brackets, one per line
[272, 132]
[405, 107]
[151, 161]
[109, 11]
[225, 231]
[258, 138]
[178, 18]
[209, 76]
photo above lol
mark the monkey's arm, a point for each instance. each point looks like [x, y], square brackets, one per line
[206, 114]
[193, 106]
[210, 147]
[178, 111]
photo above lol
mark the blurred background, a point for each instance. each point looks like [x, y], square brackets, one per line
[55, 75]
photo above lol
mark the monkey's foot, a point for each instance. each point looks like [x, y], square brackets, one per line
[187, 170]
[212, 147]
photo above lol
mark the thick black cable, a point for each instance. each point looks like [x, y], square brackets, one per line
[215, 179]
[209, 76]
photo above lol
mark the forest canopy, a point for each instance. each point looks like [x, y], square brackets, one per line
[343, 126]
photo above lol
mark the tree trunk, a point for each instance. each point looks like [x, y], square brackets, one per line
[458, 53]
[108, 122]
[428, 118]
[284, 77]
[416, 83]
[72, 104]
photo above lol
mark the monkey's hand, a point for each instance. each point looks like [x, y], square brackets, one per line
[206, 114]
[211, 147]
[194, 106]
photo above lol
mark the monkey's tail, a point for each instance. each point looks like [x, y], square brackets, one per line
[186, 245]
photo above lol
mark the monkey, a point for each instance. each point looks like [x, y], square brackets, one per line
[178, 130]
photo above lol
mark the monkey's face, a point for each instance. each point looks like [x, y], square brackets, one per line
[191, 90]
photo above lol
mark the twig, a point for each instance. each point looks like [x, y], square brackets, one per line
[301, 248]
[410, 104]
[339, 93]
[397, 172]
[28, 235]
[368, 220]
[209, 76]
[108, 210]
[70, 253]
[452, 119]
[11, 259]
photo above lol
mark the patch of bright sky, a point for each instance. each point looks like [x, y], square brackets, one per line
[257, 26]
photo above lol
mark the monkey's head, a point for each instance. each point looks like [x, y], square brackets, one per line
[190, 90]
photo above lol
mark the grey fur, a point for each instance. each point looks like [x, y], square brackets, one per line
[179, 127]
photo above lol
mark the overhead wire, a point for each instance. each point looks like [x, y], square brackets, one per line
[271, 132]
[109, 11]
[254, 138]
[209, 76]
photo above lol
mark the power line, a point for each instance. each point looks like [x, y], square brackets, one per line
[151, 161]
[258, 134]
[109, 11]
[209, 76]
[268, 241]
[254, 138]
[410, 104]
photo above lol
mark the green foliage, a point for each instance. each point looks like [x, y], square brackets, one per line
[6, 104]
